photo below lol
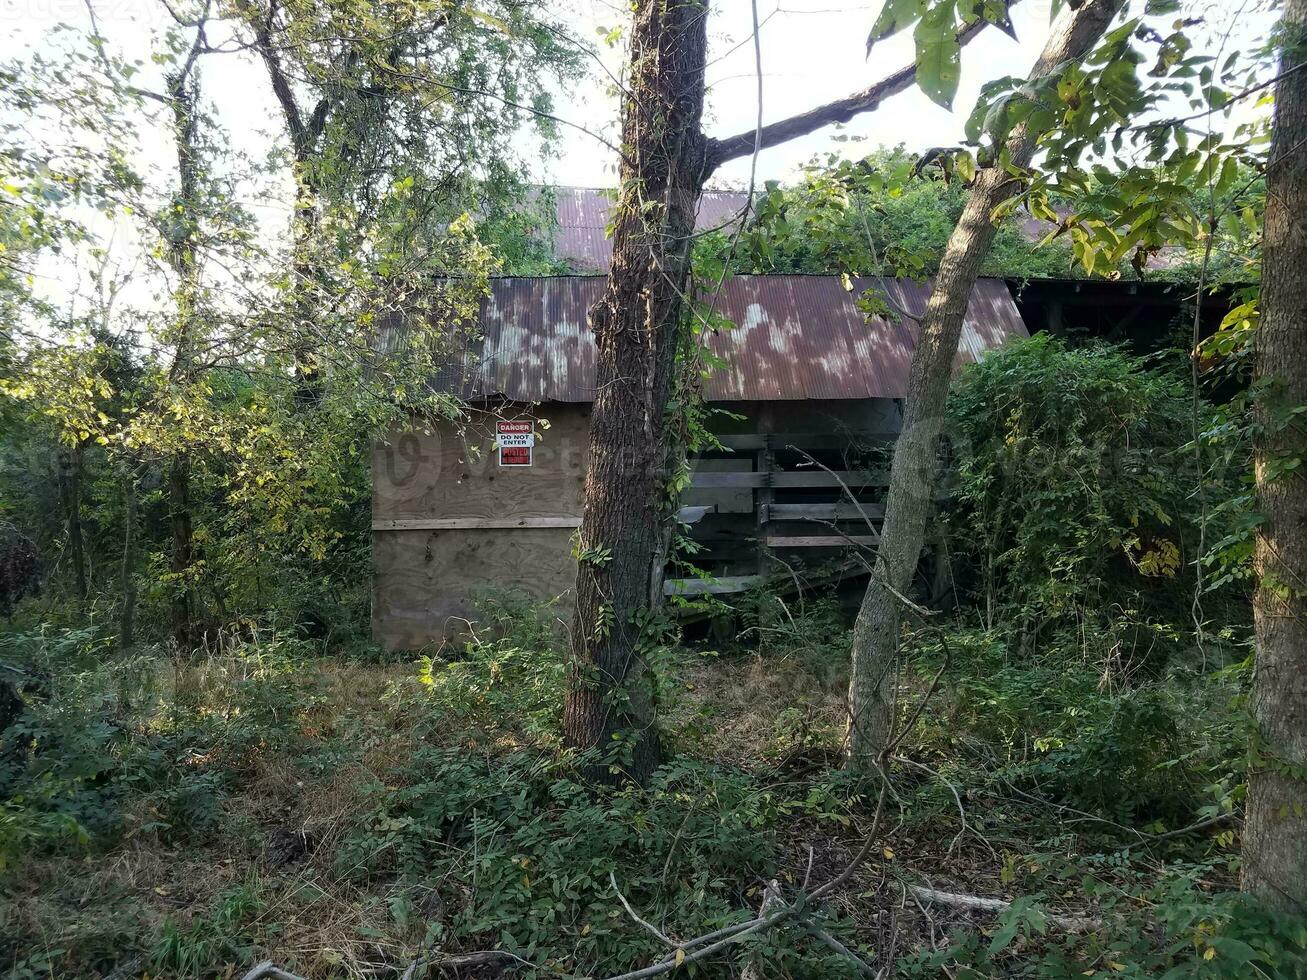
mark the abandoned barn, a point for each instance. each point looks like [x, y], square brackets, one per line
[805, 405]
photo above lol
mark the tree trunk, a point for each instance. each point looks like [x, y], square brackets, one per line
[127, 581]
[183, 551]
[183, 258]
[1275, 836]
[610, 700]
[70, 490]
[912, 474]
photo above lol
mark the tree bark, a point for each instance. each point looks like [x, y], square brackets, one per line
[183, 254]
[70, 490]
[1275, 834]
[127, 581]
[610, 700]
[912, 474]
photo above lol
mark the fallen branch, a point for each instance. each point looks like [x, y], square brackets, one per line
[268, 969]
[480, 958]
[1068, 923]
[649, 927]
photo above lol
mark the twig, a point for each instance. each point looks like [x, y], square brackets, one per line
[1070, 923]
[267, 969]
[479, 958]
[648, 926]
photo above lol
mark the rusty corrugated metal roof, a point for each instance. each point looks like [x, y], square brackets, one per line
[795, 337]
[581, 239]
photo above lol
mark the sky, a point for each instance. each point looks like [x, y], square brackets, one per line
[812, 51]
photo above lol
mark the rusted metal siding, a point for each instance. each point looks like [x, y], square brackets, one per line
[795, 338]
[581, 240]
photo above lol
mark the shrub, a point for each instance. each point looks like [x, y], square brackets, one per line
[1074, 487]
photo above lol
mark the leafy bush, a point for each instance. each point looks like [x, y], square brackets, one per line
[1169, 928]
[1046, 723]
[1074, 489]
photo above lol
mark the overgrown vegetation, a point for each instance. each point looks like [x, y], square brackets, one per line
[206, 761]
[301, 795]
[351, 817]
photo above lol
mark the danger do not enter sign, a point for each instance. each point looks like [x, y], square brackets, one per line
[515, 441]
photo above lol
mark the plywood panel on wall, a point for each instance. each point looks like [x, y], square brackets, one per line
[449, 523]
[452, 470]
[427, 582]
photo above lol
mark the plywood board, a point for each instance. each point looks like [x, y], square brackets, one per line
[452, 470]
[425, 582]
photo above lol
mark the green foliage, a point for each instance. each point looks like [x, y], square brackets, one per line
[880, 216]
[1075, 500]
[1112, 737]
[534, 849]
[1171, 928]
[111, 745]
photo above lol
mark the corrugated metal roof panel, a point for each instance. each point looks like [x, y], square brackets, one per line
[794, 338]
[581, 239]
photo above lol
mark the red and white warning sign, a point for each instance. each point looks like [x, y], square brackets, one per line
[515, 441]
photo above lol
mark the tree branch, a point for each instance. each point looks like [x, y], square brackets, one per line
[719, 151]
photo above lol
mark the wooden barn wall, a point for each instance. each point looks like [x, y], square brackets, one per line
[449, 522]
[822, 416]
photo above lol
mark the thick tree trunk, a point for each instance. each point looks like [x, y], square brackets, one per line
[70, 490]
[610, 703]
[1275, 836]
[912, 474]
[127, 581]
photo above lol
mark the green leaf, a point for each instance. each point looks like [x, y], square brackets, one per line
[939, 56]
[895, 16]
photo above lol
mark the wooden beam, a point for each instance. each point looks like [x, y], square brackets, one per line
[791, 478]
[822, 478]
[725, 585]
[694, 514]
[822, 540]
[709, 481]
[754, 441]
[843, 511]
[484, 523]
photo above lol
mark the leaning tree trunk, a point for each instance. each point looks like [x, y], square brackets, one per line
[912, 474]
[1275, 836]
[610, 699]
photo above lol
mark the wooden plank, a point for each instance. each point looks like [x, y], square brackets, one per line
[694, 514]
[822, 541]
[792, 479]
[484, 523]
[822, 478]
[843, 511]
[725, 585]
[704, 481]
[754, 441]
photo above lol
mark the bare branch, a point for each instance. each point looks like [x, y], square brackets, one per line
[1070, 923]
[719, 151]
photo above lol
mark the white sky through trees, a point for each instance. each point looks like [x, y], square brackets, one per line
[813, 51]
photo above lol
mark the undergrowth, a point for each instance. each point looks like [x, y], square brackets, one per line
[187, 818]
